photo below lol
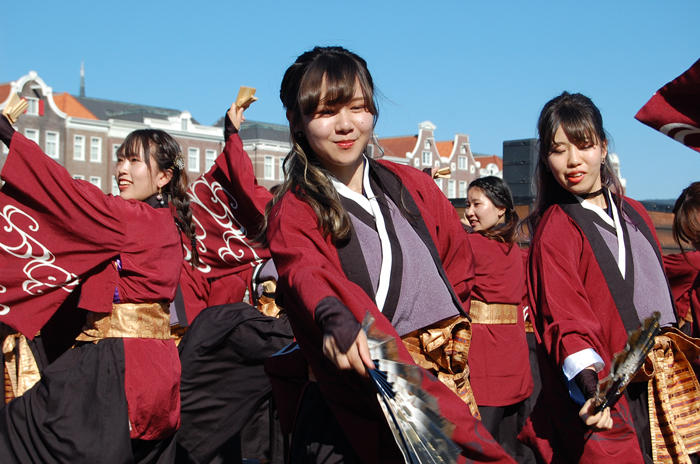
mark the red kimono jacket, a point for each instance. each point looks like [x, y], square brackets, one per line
[57, 233]
[228, 206]
[499, 368]
[682, 270]
[310, 271]
[574, 309]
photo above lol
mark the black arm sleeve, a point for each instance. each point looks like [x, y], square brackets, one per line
[6, 131]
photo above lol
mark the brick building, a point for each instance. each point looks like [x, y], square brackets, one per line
[423, 151]
[84, 133]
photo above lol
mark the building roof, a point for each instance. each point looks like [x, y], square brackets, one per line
[72, 107]
[485, 160]
[445, 148]
[254, 130]
[4, 91]
[398, 146]
[108, 109]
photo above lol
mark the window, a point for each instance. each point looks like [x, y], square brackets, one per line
[463, 150]
[451, 188]
[96, 181]
[79, 147]
[370, 151]
[439, 183]
[282, 173]
[183, 124]
[472, 169]
[462, 189]
[193, 159]
[269, 167]
[209, 159]
[462, 163]
[78, 177]
[115, 148]
[5, 149]
[416, 162]
[96, 149]
[437, 164]
[33, 105]
[427, 158]
[52, 144]
[426, 145]
[115, 186]
[32, 134]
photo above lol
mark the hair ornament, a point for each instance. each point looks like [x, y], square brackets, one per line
[179, 162]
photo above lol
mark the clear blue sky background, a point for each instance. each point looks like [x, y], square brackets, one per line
[482, 68]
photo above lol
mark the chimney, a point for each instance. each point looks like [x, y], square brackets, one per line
[82, 79]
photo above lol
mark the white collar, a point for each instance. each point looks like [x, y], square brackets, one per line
[613, 222]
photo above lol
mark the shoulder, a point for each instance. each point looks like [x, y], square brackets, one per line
[555, 229]
[291, 211]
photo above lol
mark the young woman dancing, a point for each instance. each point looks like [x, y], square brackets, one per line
[498, 356]
[351, 235]
[595, 272]
[113, 397]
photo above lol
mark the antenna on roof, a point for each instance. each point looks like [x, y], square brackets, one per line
[82, 79]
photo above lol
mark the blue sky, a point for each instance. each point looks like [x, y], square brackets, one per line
[482, 68]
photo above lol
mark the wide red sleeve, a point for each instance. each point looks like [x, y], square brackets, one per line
[681, 270]
[308, 266]
[561, 267]
[228, 207]
[53, 231]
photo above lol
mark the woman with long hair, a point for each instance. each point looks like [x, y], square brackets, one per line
[114, 396]
[352, 235]
[594, 273]
[499, 369]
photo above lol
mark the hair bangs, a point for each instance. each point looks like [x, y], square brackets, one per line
[137, 144]
[330, 80]
[578, 127]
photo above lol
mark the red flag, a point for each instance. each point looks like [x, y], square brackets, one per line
[675, 109]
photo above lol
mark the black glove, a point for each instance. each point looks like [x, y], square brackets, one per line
[587, 382]
[6, 131]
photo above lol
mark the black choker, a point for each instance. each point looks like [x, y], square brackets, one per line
[586, 196]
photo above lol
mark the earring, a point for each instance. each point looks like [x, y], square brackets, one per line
[159, 197]
[299, 134]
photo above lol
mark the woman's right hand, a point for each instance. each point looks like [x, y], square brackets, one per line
[357, 357]
[596, 422]
[235, 114]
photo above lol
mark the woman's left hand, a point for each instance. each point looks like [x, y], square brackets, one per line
[596, 422]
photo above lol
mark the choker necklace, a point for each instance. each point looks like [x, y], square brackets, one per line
[586, 196]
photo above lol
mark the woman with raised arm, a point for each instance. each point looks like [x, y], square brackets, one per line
[499, 369]
[595, 272]
[352, 235]
[114, 396]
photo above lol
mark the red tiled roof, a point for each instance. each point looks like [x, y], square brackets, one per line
[445, 148]
[4, 92]
[486, 160]
[72, 107]
[398, 146]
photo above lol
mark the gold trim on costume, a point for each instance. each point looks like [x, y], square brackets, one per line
[493, 313]
[674, 397]
[21, 370]
[129, 320]
[442, 349]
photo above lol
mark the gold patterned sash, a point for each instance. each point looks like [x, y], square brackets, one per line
[442, 348]
[674, 397]
[494, 313]
[21, 371]
[128, 320]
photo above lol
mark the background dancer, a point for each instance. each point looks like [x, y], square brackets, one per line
[225, 392]
[114, 396]
[499, 369]
[595, 272]
[349, 235]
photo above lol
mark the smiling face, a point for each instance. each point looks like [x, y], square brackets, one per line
[136, 181]
[576, 167]
[481, 213]
[338, 134]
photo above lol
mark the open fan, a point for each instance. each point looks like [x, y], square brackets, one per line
[422, 434]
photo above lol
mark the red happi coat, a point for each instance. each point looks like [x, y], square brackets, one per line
[499, 368]
[57, 233]
[682, 270]
[573, 309]
[228, 206]
[310, 271]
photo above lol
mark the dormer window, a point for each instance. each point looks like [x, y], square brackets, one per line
[426, 145]
[427, 158]
[463, 150]
[32, 105]
[183, 124]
